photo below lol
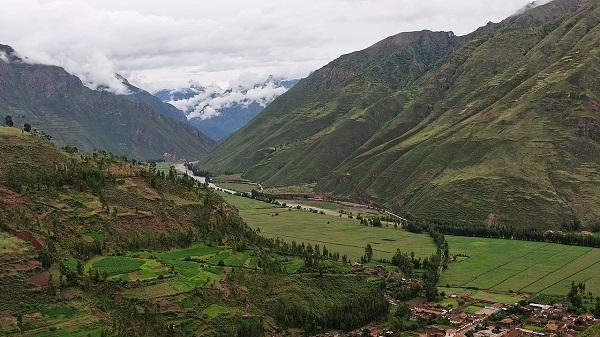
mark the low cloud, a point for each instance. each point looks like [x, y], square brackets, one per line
[164, 46]
[208, 100]
[530, 5]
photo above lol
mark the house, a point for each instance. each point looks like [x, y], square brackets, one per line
[450, 333]
[539, 306]
[458, 318]
[507, 322]
[514, 333]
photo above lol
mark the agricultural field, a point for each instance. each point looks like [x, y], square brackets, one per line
[234, 182]
[521, 266]
[489, 270]
[180, 269]
[341, 235]
[334, 206]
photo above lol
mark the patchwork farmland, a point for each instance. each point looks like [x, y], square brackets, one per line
[495, 265]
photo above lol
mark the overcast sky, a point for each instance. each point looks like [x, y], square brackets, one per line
[164, 44]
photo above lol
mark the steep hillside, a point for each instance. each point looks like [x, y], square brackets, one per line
[498, 126]
[308, 131]
[92, 245]
[52, 100]
[138, 95]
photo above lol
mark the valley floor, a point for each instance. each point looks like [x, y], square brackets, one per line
[495, 265]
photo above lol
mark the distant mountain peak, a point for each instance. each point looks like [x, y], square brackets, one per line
[206, 101]
[8, 54]
[219, 111]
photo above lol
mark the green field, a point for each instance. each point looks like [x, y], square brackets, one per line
[342, 235]
[495, 265]
[521, 266]
[178, 270]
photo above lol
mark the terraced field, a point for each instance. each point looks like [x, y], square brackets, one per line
[181, 269]
[342, 235]
[178, 270]
[521, 266]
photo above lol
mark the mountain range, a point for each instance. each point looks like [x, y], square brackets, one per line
[500, 126]
[219, 112]
[58, 103]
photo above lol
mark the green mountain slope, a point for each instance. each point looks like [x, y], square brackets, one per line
[92, 245]
[307, 132]
[52, 100]
[500, 125]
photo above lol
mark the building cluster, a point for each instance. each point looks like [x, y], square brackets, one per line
[539, 320]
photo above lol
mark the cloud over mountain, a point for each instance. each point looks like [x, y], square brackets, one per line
[206, 102]
[158, 45]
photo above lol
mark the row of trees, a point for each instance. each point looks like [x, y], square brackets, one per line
[506, 232]
[433, 265]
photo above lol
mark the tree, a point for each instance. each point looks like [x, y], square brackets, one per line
[574, 295]
[368, 252]
[8, 121]
[27, 127]
[596, 310]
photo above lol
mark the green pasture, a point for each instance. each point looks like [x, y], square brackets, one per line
[341, 235]
[521, 266]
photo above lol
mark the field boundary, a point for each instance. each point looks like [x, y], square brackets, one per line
[555, 270]
[523, 270]
[571, 275]
[505, 264]
[327, 242]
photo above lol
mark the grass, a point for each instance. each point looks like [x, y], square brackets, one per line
[293, 265]
[114, 265]
[484, 295]
[206, 267]
[61, 310]
[94, 236]
[12, 245]
[472, 309]
[342, 235]
[243, 203]
[452, 302]
[176, 254]
[215, 310]
[334, 206]
[521, 266]
[71, 263]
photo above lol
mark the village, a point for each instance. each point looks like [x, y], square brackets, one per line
[494, 319]
[498, 320]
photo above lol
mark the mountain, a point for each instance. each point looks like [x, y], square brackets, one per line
[138, 95]
[217, 111]
[498, 126]
[52, 100]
